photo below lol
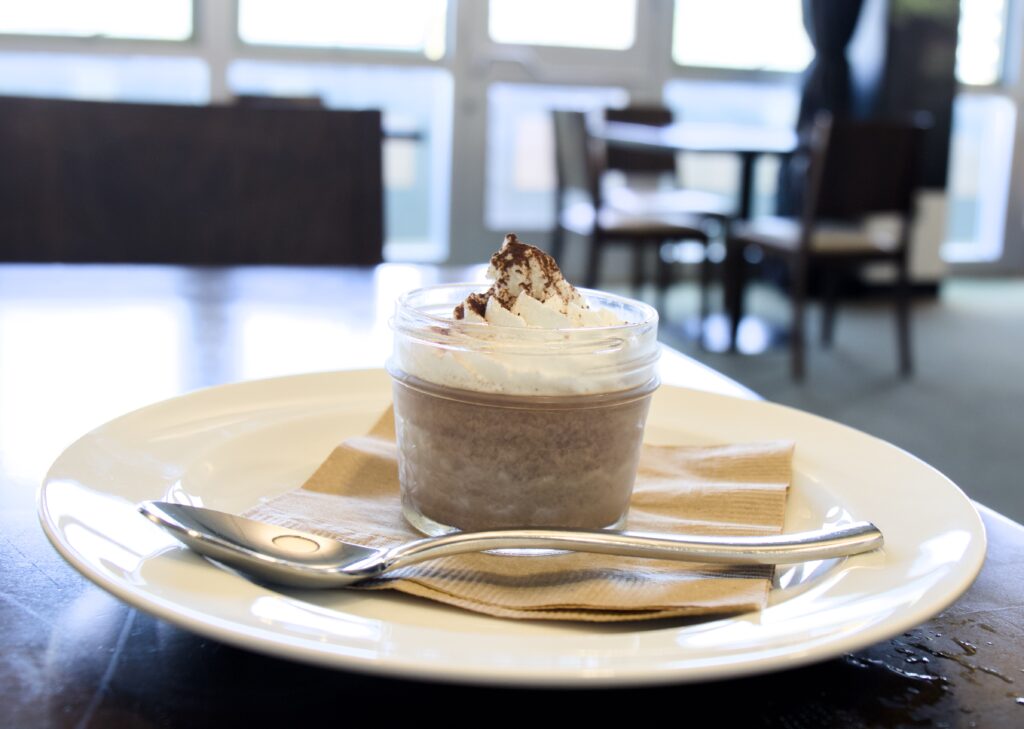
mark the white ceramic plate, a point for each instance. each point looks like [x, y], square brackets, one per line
[226, 447]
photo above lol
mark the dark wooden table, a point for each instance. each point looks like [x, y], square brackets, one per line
[745, 141]
[82, 344]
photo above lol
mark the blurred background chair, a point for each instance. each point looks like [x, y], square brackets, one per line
[580, 164]
[144, 183]
[855, 169]
[641, 163]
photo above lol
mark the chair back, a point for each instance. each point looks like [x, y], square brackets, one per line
[864, 166]
[145, 183]
[577, 162]
[645, 162]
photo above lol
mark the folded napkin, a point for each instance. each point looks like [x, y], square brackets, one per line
[729, 489]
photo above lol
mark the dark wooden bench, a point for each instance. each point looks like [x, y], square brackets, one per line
[144, 183]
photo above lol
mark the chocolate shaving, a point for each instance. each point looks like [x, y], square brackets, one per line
[478, 303]
[514, 254]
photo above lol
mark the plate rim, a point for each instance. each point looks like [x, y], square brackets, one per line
[287, 647]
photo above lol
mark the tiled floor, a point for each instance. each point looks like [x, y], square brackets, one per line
[962, 411]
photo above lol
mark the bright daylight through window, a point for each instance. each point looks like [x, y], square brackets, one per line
[603, 24]
[413, 26]
[770, 38]
[396, 55]
[169, 20]
[979, 53]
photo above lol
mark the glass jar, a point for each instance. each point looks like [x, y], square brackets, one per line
[503, 427]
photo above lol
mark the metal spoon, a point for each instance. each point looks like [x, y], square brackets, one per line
[299, 559]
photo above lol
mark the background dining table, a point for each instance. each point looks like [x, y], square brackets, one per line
[747, 142]
[81, 344]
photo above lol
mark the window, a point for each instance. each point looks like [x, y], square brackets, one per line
[522, 58]
[524, 86]
[772, 37]
[741, 34]
[603, 24]
[979, 176]
[154, 79]
[521, 149]
[411, 26]
[167, 20]
[982, 39]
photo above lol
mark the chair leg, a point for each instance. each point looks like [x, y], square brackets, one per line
[903, 319]
[733, 279]
[639, 249]
[705, 285]
[797, 339]
[828, 310]
[593, 262]
[558, 243]
[664, 278]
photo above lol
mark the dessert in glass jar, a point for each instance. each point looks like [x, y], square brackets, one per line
[522, 404]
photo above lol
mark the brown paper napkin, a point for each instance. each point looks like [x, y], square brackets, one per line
[728, 489]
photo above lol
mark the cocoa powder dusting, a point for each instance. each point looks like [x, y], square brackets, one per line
[519, 254]
[512, 255]
[516, 254]
[478, 303]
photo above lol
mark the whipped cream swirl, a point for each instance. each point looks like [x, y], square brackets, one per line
[529, 290]
[530, 333]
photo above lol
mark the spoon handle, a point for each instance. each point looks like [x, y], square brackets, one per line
[849, 539]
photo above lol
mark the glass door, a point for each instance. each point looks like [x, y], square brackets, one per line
[517, 60]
